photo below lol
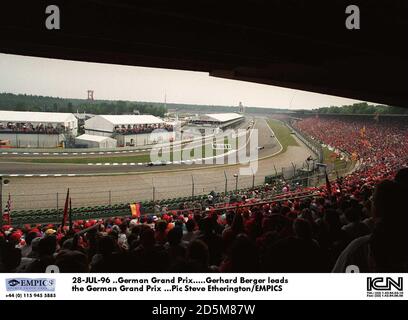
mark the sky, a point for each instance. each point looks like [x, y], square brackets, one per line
[72, 79]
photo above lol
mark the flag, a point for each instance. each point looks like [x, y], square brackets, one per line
[328, 185]
[65, 215]
[135, 209]
[363, 132]
[70, 214]
[6, 215]
[339, 184]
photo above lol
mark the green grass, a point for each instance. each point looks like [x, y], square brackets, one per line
[282, 133]
[138, 158]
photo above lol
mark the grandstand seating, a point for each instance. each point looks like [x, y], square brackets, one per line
[314, 229]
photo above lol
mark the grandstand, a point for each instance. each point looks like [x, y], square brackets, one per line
[37, 129]
[283, 226]
[130, 130]
[215, 121]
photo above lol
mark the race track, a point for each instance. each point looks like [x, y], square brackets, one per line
[97, 185]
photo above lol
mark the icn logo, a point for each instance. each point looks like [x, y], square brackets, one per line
[384, 284]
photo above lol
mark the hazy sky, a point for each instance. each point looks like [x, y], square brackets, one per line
[71, 79]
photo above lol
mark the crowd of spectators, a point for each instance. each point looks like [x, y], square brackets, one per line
[371, 140]
[142, 128]
[44, 128]
[360, 219]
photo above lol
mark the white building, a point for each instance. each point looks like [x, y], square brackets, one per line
[91, 141]
[213, 121]
[130, 130]
[37, 129]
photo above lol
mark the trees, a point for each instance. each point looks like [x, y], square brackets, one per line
[23, 102]
[361, 108]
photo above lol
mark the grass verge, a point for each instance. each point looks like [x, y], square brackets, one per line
[283, 134]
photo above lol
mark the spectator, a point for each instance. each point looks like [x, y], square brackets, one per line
[243, 256]
[211, 239]
[299, 253]
[72, 261]
[355, 228]
[191, 233]
[374, 252]
[149, 256]
[46, 250]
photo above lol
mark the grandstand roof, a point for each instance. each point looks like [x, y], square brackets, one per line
[223, 117]
[132, 119]
[90, 137]
[107, 123]
[43, 117]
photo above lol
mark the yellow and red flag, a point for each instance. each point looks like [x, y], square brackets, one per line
[363, 132]
[135, 209]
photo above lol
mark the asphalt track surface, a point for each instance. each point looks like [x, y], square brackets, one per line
[118, 184]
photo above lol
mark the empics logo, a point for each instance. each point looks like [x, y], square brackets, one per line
[384, 287]
[30, 285]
